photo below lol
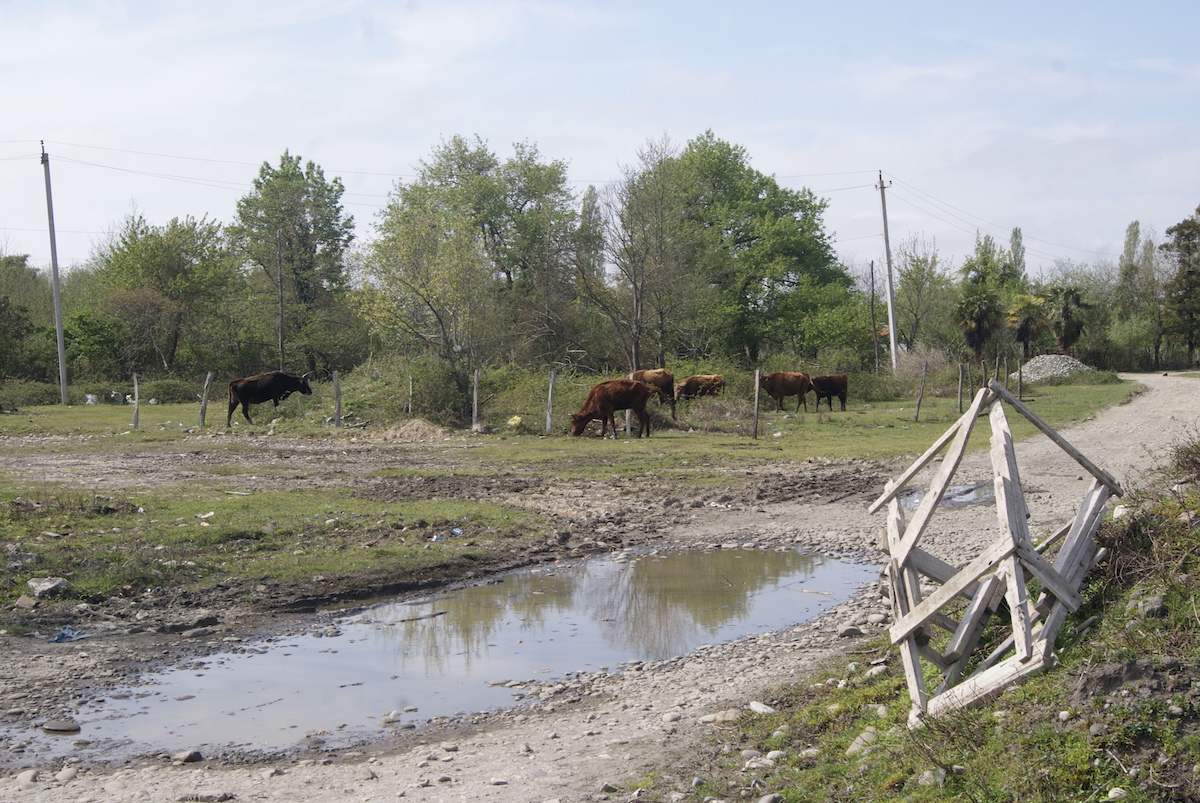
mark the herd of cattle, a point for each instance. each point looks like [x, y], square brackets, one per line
[603, 400]
[606, 398]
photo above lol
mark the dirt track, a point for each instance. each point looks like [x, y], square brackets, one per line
[612, 728]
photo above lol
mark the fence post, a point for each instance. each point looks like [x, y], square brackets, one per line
[475, 400]
[550, 401]
[410, 395]
[337, 400]
[135, 402]
[204, 397]
[921, 391]
[960, 384]
[757, 375]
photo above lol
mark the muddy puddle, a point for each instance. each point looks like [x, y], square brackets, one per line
[352, 678]
[955, 496]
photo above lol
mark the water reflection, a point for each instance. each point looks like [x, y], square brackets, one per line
[443, 656]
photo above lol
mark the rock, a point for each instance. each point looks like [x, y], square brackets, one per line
[45, 586]
[864, 740]
[62, 725]
[772, 798]
[187, 757]
[849, 631]
[760, 708]
[66, 774]
[1117, 793]
[28, 776]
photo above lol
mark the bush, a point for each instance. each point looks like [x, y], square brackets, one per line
[20, 393]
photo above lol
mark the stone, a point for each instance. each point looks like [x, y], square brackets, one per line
[864, 740]
[187, 756]
[61, 725]
[45, 586]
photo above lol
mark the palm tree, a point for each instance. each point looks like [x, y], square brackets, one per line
[1065, 323]
[1026, 317]
[978, 315]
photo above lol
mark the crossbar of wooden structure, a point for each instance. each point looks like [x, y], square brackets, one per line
[973, 671]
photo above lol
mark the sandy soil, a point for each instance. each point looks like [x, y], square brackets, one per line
[593, 738]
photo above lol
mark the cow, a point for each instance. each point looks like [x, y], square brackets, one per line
[826, 387]
[699, 385]
[662, 379]
[782, 384]
[606, 398]
[274, 386]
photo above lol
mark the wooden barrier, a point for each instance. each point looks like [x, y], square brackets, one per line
[974, 670]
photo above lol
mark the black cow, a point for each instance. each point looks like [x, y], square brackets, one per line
[274, 386]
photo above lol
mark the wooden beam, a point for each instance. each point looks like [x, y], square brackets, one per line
[1099, 473]
[971, 626]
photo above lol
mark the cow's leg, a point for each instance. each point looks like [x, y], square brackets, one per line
[246, 411]
[233, 404]
[643, 420]
[842, 399]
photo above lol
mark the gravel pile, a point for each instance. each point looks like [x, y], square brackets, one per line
[1048, 366]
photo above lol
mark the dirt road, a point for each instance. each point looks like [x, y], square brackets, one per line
[593, 739]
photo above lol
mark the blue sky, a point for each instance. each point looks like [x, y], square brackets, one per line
[1067, 119]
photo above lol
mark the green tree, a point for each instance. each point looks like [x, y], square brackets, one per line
[1026, 317]
[924, 292]
[162, 281]
[1066, 304]
[292, 227]
[1182, 307]
[979, 314]
[991, 265]
[765, 254]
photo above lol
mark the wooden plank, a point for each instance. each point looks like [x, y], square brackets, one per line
[1103, 476]
[983, 686]
[1018, 606]
[1053, 538]
[1010, 501]
[1053, 582]
[937, 488]
[971, 626]
[981, 565]
[900, 483]
[936, 569]
[910, 656]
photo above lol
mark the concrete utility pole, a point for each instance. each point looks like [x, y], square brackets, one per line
[887, 249]
[58, 324]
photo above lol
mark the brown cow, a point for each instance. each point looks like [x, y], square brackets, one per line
[606, 398]
[782, 384]
[699, 385]
[662, 379]
[826, 387]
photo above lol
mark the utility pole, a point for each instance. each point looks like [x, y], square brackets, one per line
[58, 324]
[887, 249]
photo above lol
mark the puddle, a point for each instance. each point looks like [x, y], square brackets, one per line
[955, 496]
[467, 651]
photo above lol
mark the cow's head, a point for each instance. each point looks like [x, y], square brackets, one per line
[305, 388]
[578, 423]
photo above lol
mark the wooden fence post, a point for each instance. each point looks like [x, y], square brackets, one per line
[960, 386]
[337, 400]
[550, 401]
[410, 395]
[921, 391]
[204, 397]
[475, 400]
[757, 374]
[135, 402]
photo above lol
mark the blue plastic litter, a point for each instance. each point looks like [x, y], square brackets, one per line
[68, 633]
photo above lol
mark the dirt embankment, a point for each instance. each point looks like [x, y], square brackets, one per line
[593, 739]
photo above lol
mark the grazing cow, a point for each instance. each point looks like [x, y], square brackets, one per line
[662, 379]
[782, 384]
[699, 385]
[274, 386]
[606, 398]
[826, 387]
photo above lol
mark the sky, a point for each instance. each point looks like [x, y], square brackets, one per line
[1069, 120]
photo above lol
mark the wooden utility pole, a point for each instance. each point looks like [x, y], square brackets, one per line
[887, 250]
[58, 322]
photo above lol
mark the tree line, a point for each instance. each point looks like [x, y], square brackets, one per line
[484, 261]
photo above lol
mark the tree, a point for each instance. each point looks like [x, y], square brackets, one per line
[1066, 303]
[1026, 317]
[292, 226]
[991, 265]
[163, 280]
[978, 315]
[924, 292]
[1182, 308]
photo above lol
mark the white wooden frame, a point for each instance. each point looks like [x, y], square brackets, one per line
[1000, 572]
